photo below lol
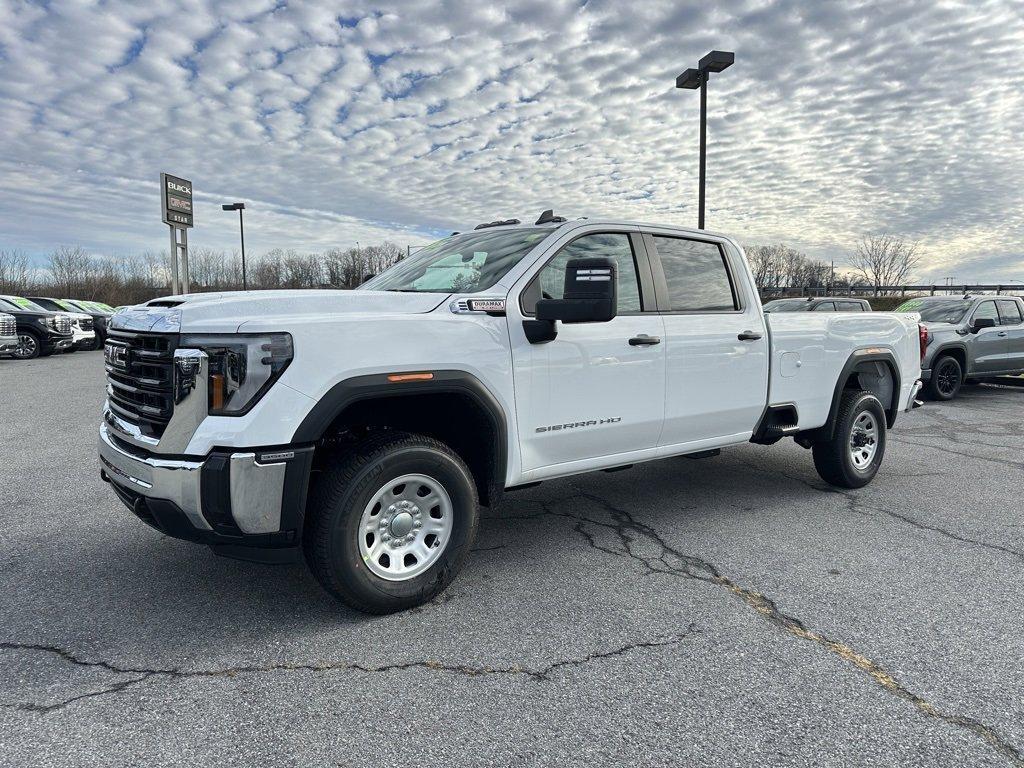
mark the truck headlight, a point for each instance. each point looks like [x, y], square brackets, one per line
[241, 367]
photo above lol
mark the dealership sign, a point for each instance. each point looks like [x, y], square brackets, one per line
[176, 201]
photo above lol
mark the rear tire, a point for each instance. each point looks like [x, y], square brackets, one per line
[390, 522]
[851, 459]
[947, 378]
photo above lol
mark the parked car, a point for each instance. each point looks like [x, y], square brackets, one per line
[573, 347]
[818, 304]
[969, 338]
[39, 332]
[83, 335]
[94, 320]
[8, 333]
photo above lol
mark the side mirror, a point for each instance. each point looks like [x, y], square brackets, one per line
[589, 295]
[983, 322]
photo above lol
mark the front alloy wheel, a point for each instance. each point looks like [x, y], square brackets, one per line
[28, 347]
[946, 379]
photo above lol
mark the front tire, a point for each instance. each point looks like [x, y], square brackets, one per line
[390, 523]
[29, 346]
[947, 378]
[851, 459]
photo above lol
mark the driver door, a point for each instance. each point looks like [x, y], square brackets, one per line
[597, 391]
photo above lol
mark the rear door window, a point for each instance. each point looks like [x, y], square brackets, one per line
[696, 275]
[825, 306]
[850, 306]
[1009, 312]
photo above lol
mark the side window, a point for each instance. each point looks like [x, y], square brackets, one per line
[615, 246]
[1009, 312]
[825, 306]
[696, 275]
[850, 306]
[986, 309]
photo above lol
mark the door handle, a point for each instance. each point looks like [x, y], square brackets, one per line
[749, 336]
[643, 340]
[1002, 333]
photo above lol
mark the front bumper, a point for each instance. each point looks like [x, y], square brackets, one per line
[242, 498]
[8, 344]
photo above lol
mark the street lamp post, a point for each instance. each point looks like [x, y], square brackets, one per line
[241, 230]
[691, 79]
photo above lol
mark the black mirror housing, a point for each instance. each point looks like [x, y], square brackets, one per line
[983, 322]
[589, 294]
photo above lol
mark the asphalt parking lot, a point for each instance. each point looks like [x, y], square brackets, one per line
[727, 611]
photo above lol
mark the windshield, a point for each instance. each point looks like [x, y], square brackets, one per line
[787, 305]
[6, 305]
[940, 311]
[460, 264]
[31, 306]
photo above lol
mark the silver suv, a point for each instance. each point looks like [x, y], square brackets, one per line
[969, 338]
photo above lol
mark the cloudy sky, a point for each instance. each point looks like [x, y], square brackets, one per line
[345, 121]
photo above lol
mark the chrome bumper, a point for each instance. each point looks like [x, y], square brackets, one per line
[8, 343]
[255, 482]
[176, 481]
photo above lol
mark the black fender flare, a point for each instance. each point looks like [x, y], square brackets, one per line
[377, 385]
[828, 430]
[949, 345]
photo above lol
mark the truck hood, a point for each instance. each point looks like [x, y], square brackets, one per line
[227, 312]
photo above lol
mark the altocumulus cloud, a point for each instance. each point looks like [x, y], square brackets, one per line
[343, 121]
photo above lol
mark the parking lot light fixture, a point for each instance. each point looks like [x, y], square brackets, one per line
[692, 79]
[241, 229]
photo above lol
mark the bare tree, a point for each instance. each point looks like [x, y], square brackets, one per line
[15, 273]
[779, 266]
[885, 260]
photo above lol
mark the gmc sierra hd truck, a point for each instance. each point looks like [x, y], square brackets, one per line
[365, 428]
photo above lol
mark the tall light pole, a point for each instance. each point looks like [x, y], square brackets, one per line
[691, 79]
[241, 230]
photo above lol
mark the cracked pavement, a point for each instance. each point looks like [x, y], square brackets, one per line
[729, 611]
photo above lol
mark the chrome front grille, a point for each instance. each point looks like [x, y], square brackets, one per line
[8, 325]
[63, 324]
[140, 379]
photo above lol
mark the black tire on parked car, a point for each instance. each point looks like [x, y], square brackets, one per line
[29, 346]
[947, 378]
[390, 522]
[852, 457]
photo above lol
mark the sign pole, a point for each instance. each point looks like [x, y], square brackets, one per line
[184, 260]
[174, 262]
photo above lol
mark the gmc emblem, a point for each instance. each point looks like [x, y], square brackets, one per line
[115, 355]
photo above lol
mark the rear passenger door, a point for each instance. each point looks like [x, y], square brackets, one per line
[988, 345]
[716, 372]
[1012, 324]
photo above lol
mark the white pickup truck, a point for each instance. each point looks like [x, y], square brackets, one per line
[367, 427]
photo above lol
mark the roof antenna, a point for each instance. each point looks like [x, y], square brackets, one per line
[548, 217]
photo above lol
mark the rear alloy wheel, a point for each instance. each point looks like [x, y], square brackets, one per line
[28, 346]
[947, 378]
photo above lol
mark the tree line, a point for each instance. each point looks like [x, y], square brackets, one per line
[72, 272]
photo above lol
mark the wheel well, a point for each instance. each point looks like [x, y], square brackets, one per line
[454, 418]
[955, 352]
[876, 377]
